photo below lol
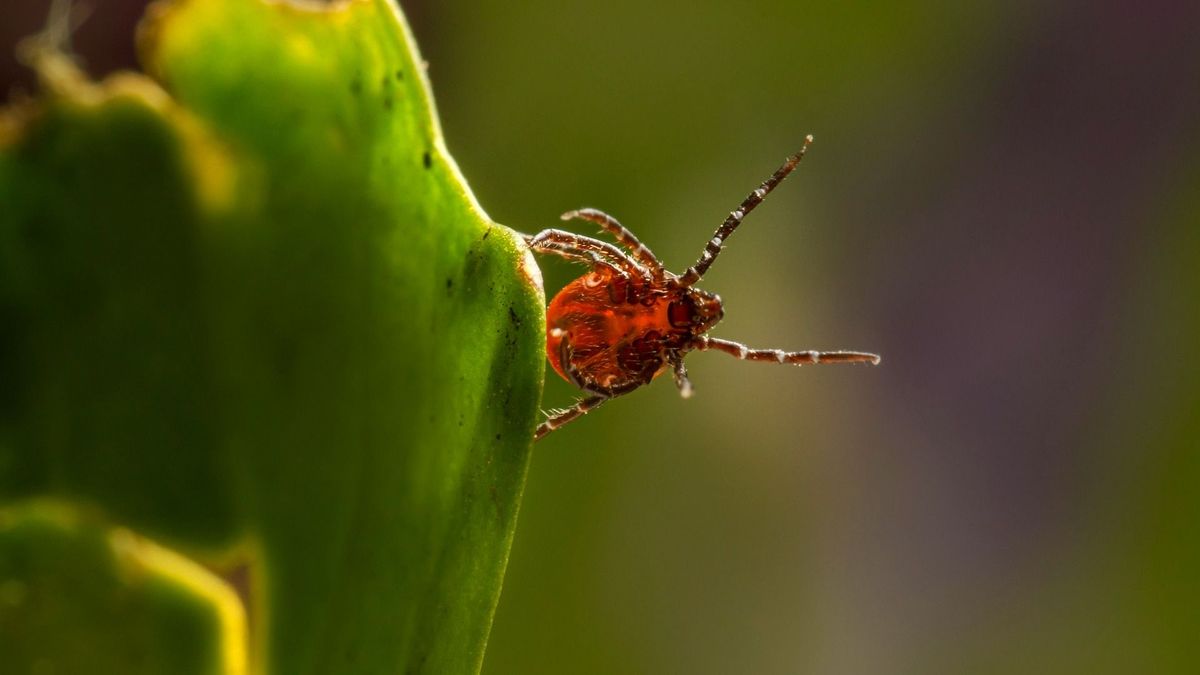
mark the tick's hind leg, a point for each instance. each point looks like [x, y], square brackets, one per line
[597, 394]
[592, 260]
[585, 249]
[741, 351]
[559, 418]
[640, 251]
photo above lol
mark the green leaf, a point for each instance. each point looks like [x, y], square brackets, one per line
[79, 596]
[249, 310]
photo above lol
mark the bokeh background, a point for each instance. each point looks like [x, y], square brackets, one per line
[1003, 200]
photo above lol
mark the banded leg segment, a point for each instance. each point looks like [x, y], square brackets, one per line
[559, 418]
[592, 260]
[713, 248]
[640, 251]
[741, 351]
[579, 247]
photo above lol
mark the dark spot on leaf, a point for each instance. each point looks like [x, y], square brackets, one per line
[487, 233]
[512, 316]
[385, 82]
[427, 159]
[497, 436]
[449, 284]
[399, 74]
[387, 102]
[356, 86]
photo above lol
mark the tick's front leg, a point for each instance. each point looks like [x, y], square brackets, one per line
[740, 351]
[681, 377]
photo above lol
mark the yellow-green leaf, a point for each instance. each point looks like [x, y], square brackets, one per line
[250, 311]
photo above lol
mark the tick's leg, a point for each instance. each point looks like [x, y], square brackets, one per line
[693, 273]
[640, 251]
[743, 352]
[566, 357]
[571, 245]
[681, 377]
[589, 258]
[558, 418]
[596, 394]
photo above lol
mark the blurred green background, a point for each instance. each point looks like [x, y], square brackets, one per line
[1003, 200]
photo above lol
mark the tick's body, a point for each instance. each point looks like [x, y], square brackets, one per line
[615, 328]
[608, 334]
[628, 320]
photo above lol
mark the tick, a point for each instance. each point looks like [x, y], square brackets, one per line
[628, 320]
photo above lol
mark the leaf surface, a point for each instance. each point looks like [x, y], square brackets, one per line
[252, 313]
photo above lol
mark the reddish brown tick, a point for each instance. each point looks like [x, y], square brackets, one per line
[625, 322]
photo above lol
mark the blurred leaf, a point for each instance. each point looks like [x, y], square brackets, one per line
[258, 318]
[127, 605]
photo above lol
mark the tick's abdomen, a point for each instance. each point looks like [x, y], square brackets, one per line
[616, 333]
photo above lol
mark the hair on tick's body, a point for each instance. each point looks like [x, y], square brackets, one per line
[628, 320]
